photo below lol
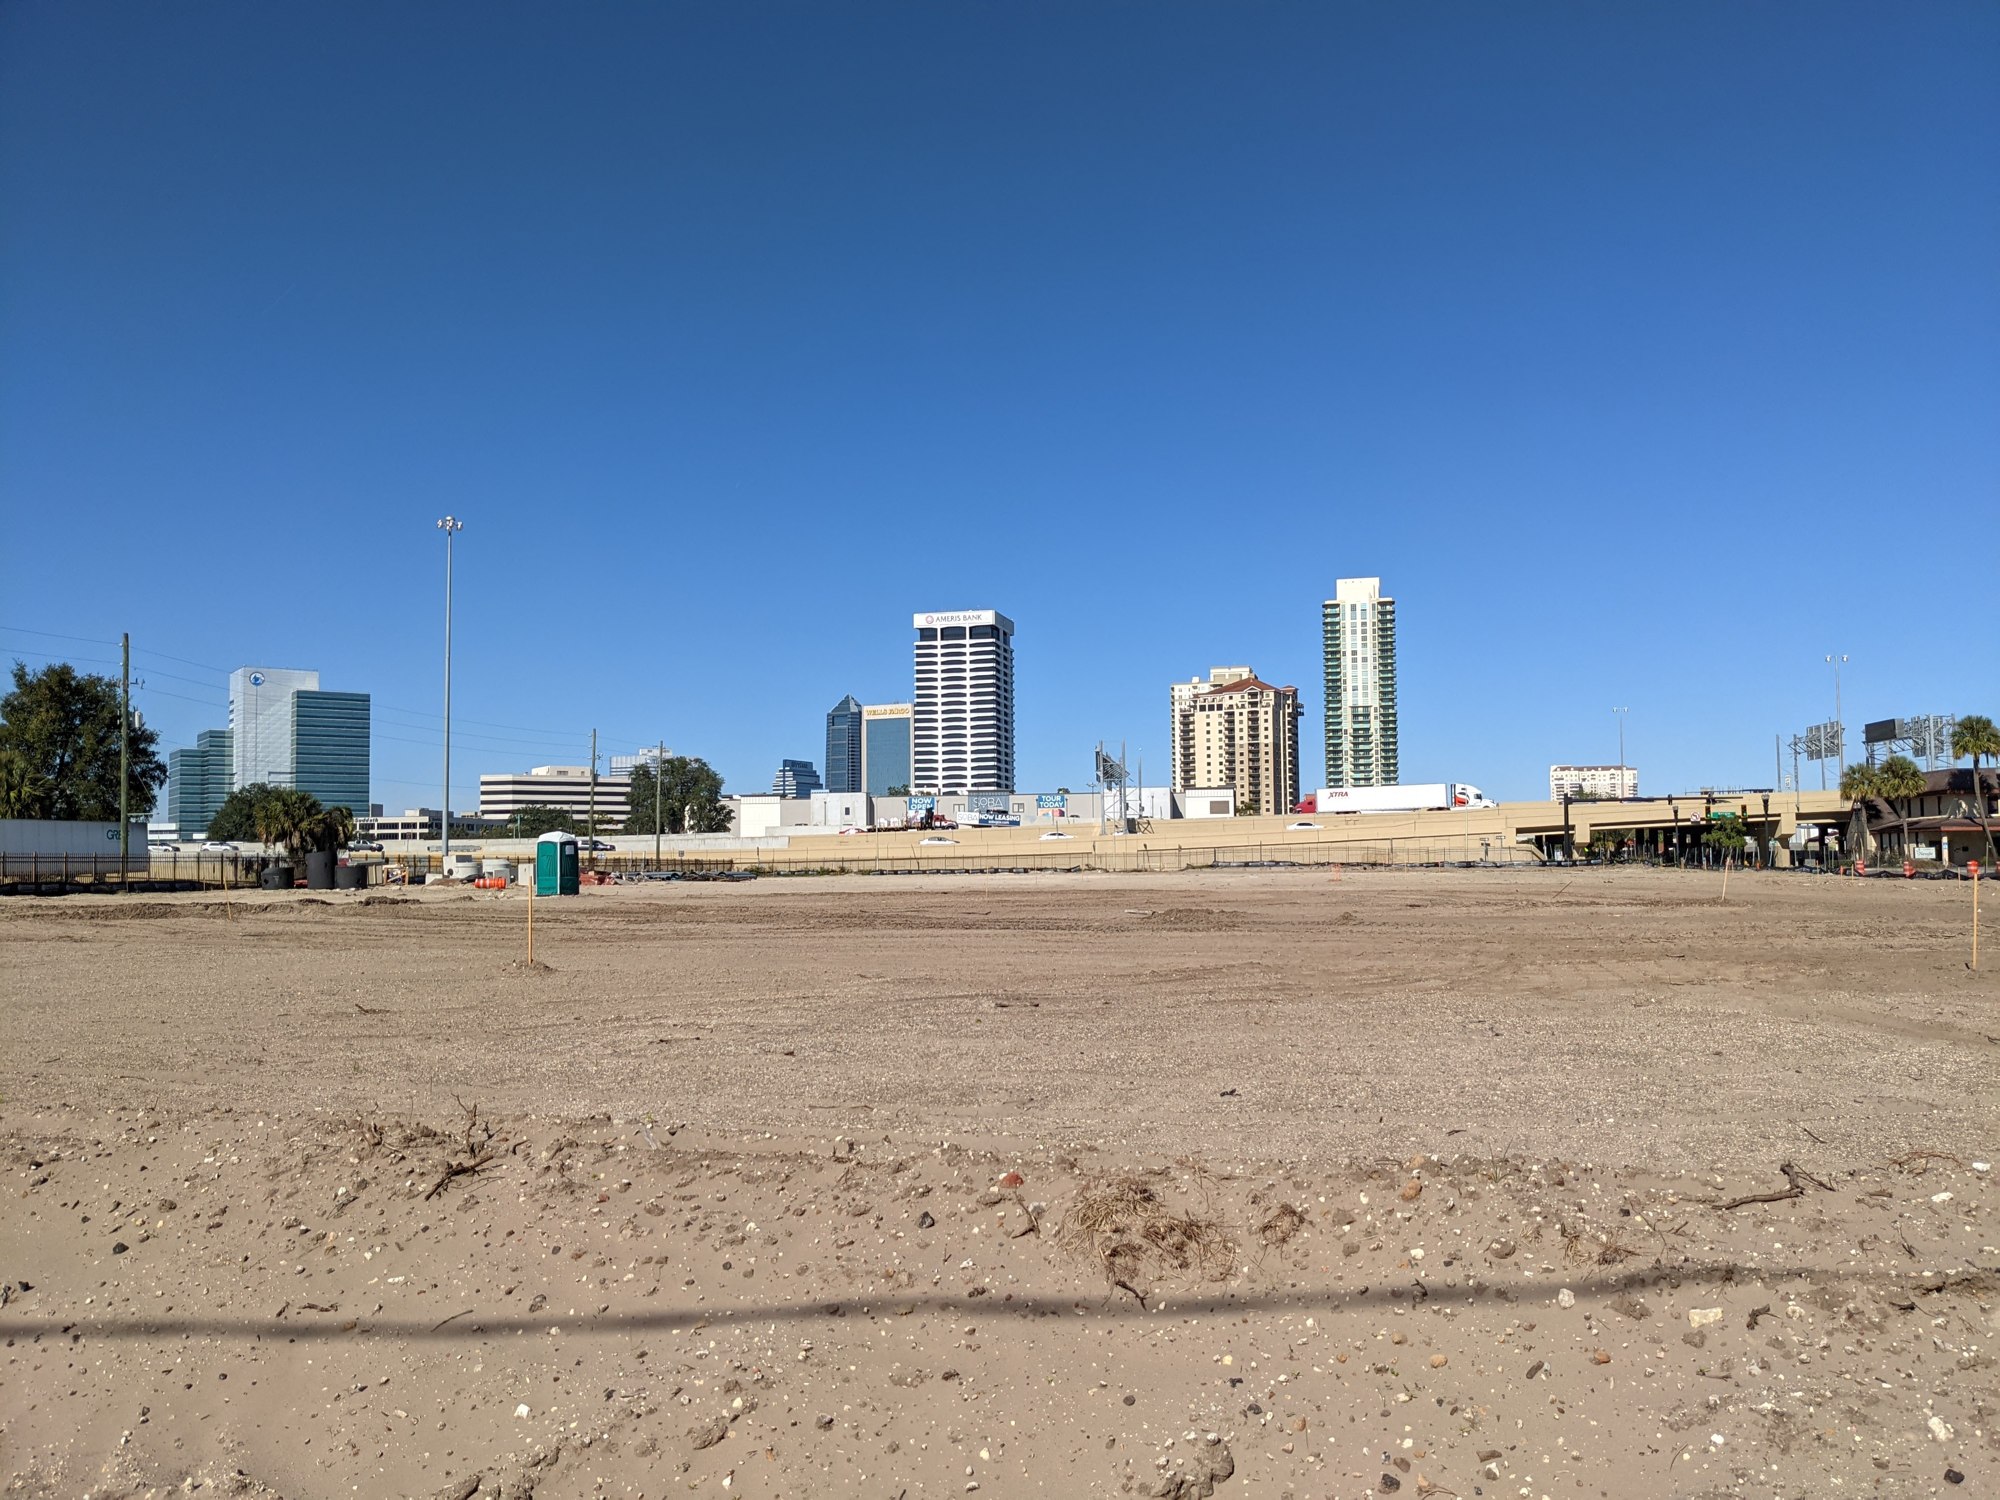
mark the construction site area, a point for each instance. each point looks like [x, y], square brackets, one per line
[1272, 1182]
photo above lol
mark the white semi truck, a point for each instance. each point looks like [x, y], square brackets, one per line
[1424, 796]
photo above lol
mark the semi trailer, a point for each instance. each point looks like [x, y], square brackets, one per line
[1424, 796]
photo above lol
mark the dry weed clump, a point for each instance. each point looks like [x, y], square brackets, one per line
[1137, 1240]
[1285, 1221]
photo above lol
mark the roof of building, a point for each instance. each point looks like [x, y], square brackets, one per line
[1247, 684]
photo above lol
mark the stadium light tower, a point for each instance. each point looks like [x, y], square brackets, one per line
[1839, 729]
[1621, 712]
[450, 526]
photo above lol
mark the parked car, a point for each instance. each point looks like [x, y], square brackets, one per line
[218, 846]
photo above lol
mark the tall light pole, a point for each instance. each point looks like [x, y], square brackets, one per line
[1621, 712]
[1839, 729]
[450, 526]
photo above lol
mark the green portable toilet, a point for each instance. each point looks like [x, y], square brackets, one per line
[555, 865]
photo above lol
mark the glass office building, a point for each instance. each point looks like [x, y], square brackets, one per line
[330, 748]
[885, 748]
[843, 746]
[198, 782]
[796, 778]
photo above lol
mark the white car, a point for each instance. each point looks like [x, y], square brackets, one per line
[1047, 836]
[218, 846]
[163, 848]
[1295, 827]
[937, 841]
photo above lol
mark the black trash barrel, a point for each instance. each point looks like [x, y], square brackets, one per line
[320, 864]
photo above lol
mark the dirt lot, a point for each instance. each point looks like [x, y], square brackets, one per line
[1267, 1183]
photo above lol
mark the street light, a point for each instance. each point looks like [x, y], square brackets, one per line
[1621, 712]
[1839, 729]
[450, 526]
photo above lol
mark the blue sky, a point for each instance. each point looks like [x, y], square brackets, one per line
[1647, 353]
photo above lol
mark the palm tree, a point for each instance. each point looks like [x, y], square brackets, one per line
[1974, 737]
[286, 817]
[1900, 780]
[23, 792]
[332, 828]
[1858, 783]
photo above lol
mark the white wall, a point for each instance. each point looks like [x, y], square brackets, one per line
[47, 836]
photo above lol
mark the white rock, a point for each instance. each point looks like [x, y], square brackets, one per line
[1940, 1197]
[521, 1410]
[1565, 1298]
[1940, 1429]
[1701, 1317]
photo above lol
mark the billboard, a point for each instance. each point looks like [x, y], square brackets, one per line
[1051, 799]
[988, 802]
[920, 804]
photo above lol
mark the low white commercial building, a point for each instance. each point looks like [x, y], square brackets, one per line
[565, 788]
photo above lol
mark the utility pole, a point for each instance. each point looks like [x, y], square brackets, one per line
[450, 526]
[124, 761]
[659, 769]
[1839, 729]
[1621, 712]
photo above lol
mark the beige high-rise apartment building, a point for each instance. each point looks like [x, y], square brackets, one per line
[1237, 731]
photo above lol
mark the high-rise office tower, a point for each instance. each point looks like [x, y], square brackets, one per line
[843, 745]
[885, 748]
[260, 719]
[1237, 731]
[1360, 642]
[286, 731]
[198, 782]
[962, 719]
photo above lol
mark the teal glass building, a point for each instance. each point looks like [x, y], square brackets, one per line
[198, 781]
[330, 748]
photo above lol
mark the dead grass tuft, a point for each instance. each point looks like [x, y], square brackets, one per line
[1136, 1239]
[1285, 1222]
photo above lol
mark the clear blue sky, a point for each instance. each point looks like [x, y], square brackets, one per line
[736, 333]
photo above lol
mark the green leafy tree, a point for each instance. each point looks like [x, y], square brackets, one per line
[236, 820]
[276, 815]
[534, 821]
[1900, 781]
[63, 724]
[1974, 738]
[1726, 834]
[689, 797]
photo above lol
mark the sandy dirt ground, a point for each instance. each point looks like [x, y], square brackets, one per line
[1261, 1183]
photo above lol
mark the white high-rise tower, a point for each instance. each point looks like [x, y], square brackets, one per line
[260, 718]
[1359, 627]
[962, 718]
